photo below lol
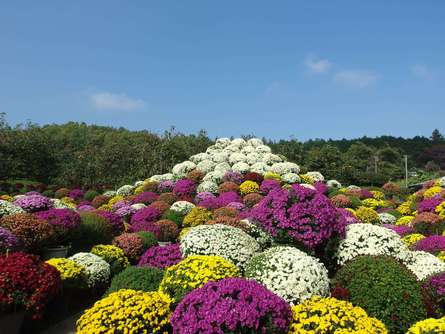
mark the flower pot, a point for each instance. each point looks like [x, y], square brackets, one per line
[51, 252]
[164, 243]
[11, 323]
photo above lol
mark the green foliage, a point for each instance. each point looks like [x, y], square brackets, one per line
[93, 230]
[137, 278]
[90, 194]
[148, 238]
[173, 216]
[385, 289]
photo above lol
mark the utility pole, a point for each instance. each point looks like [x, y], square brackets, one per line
[406, 170]
[376, 158]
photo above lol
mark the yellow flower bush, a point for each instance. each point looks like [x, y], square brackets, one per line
[127, 311]
[72, 274]
[68, 201]
[411, 239]
[306, 179]
[272, 176]
[431, 192]
[332, 316]
[428, 326]
[367, 215]
[139, 190]
[404, 220]
[113, 200]
[183, 232]
[440, 210]
[114, 255]
[6, 198]
[197, 216]
[195, 271]
[441, 256]
[378, 194]
[249, 187]
[374, 203]
[405, 208]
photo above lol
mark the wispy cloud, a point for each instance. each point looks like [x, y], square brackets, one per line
[422, 71]
[356, 78]
[317, 65]
[112, 101]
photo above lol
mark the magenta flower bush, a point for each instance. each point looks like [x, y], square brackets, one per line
[8, 241]
[166, 186]
[64, 219]
[184, 187]
[113, 219]
[231, 305]
[429, 204]
[268, 185]
[234, 177]
[34, 203]
[202, 196]
[146, 226]
[76, 194]
[401, 230]
[146, 197]
[148, 214]
[303, 214]
[161, 257]
[433, 244]
[125, 211]
[435, 286]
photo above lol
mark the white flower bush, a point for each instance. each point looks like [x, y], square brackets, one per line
[241, 167]
[422, 264]
[59, 204]
[197, 158]
[270, 158]
[206, 166]
[290, 273]
[109, 193]
[387, 218]
[216, 176]
[138, 206]
[182, 207]
[263, 149]
[125, 190]
[8, 208]
[442, 181]
[367, 239]
[209, 186]
[263, 238]
[290, 178]
[237, 157]
[228, 242]
[255, 142]
[98, 270]
[181, 170]
[222, 142]
[161, 177]
[220, 157]
[260, 168]
[281, 168]
[333, 184]
[138, 183]
[353, 187]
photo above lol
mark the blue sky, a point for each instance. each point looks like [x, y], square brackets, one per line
[306, 69]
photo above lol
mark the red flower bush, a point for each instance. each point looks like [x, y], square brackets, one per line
[27, 283]
[168, 230]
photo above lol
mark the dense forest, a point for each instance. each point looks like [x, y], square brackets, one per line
[92, 156]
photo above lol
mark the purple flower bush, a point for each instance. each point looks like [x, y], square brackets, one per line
[435, 286]
[401, 230]
[228, 197]
[202, 196]
[234, 177]
[113, 219]
[8, 241]
[432, 244]
[76, 194]
[65, 219]
[231, 305]
[34, 203]
[85, 207]
[125, 211]
[147, 197]
[166, 186]
[148, 214]
[146, 226]
[184, 187]
[303, 214]
[161, 257]
[268, 185]
[429, 204]
[321, 187]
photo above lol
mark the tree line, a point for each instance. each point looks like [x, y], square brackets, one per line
[90, 155]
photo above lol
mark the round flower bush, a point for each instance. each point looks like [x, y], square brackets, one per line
[168, 230]
[435, 286]
[161, 257]
[428, 326]
[33, 233]
[27, 283]
[367, 215]
[64, 222]
[8, 241]
[137, 278]
[34, 203]
[422, 264]
[428, 223]
[113, 219]
[290, 273]
[384, 288]
[193, 272]
[132, 244]
[94, 229]
[228, 242]
[248, 187]
[367, 239]
[145, 215]
[146, 197]
[432, 244]
[73, 275]
[332, 316]
[197, 216]
[182, 207]
[302, 214]
[386, 218]
[127, 311]
[8, 208]
[220, 307]
[184, 188]
[97, 270]
[113, 255]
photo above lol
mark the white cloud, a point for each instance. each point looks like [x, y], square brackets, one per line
[112, 101]
[356, 78]
[421, 71]
[315, 65]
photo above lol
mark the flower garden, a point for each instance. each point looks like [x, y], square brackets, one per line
[234, 240]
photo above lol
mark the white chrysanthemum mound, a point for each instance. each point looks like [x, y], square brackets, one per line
[282, 168]
[367, 239]
[181, 170]
[161, 177]
[333, 184]
[182, 207]
[209, 186]
[316, 176]
[442, 181]
[109, 193]
[7, 208]
[59, 204]
[228, 242]
[263, 238]
[125, 190]
[422, 264]
[290, 273]
[387, 218]
[98, 270]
